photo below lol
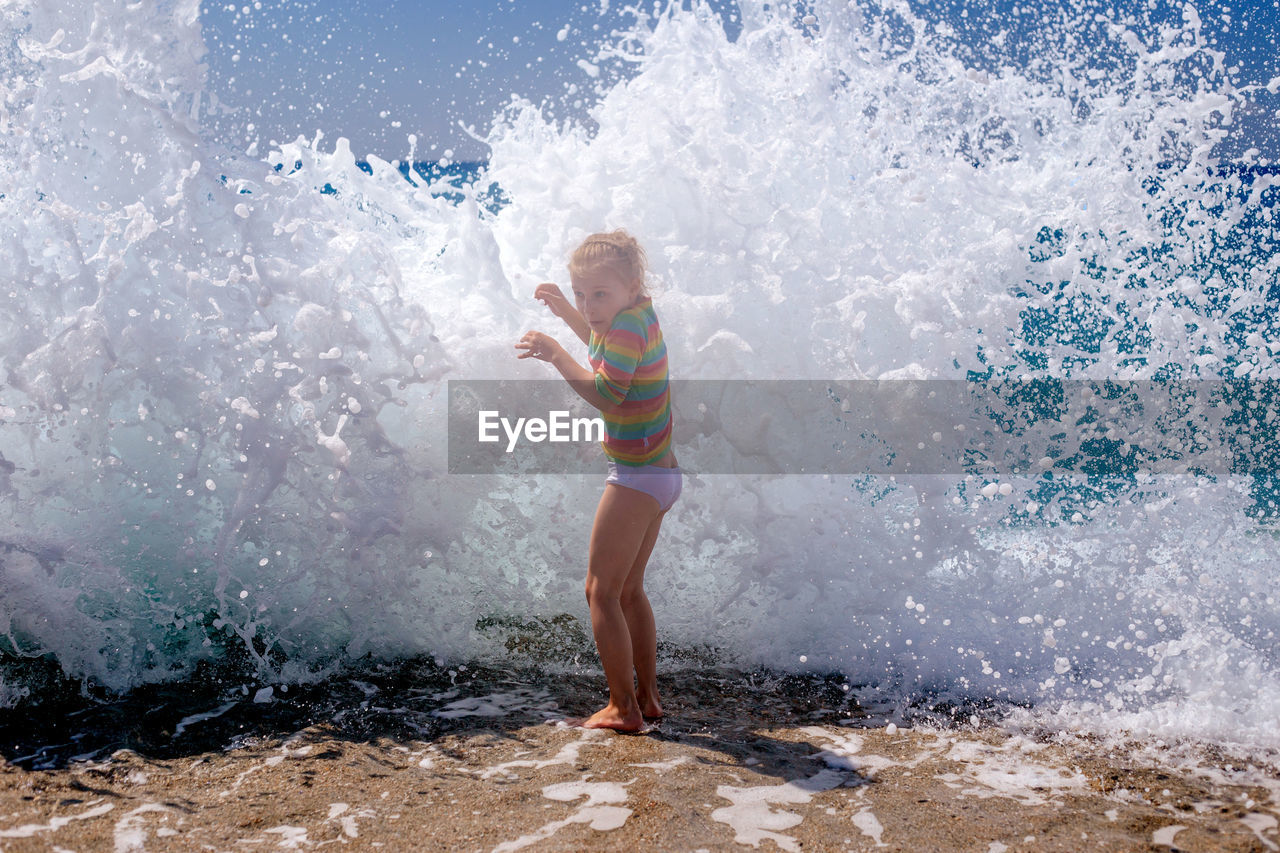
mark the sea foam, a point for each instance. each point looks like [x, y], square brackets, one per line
[223, 421]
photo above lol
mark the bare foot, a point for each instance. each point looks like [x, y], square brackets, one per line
[650, 708]
[611, 717]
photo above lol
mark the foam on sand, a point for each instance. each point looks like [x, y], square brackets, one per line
[130, 833]
[752, 818]
[869, 825]
[29, 830]
[1007, 770]
[568, 754]
[595, 812]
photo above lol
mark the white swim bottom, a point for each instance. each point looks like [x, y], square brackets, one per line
[661, 484]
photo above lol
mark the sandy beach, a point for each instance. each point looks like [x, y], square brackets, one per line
[414, 757]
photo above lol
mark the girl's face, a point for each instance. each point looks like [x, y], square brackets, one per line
[601, 294]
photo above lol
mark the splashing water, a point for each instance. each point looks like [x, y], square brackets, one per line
[222, 419]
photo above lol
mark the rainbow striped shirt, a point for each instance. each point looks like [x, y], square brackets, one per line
[630, 362]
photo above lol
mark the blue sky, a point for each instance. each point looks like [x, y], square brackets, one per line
[377, 72]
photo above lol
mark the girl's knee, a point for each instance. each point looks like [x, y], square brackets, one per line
[597, 591]
[632, 595]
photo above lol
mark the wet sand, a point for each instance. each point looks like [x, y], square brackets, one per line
[411, 757]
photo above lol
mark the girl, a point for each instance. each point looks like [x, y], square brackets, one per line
[627, 382]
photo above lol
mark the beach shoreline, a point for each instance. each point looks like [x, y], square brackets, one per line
[476, 760]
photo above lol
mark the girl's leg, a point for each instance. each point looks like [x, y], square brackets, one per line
[622, 520]
[639, 616]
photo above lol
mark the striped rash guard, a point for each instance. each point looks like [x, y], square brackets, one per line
[630, 362]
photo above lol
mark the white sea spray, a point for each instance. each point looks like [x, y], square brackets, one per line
[222, 416]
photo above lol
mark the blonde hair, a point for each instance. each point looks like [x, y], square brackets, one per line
[616, 250]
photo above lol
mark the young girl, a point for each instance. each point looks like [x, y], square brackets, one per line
[628, 384]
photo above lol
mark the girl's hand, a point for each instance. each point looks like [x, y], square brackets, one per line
[551, 296]
[537, 345]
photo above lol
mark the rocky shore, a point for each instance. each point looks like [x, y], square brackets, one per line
[413, 757]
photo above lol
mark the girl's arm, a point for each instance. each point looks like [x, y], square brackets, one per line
[579, 325]
[551, 296]
[581, 380]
